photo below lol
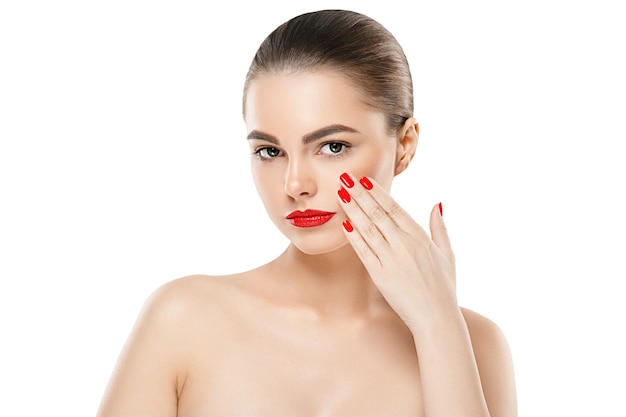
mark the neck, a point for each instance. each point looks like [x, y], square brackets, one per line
[333, 283]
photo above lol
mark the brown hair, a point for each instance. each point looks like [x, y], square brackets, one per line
[349, 43]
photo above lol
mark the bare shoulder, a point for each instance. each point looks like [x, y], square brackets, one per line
[482, 328]
[152, 368]
[488, 340]
[187, 298]
[179, 293]
[172, 313]
[176, 314]
[494, 361]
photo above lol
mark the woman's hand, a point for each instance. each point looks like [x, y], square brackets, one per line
[414, 272]
[416, 275]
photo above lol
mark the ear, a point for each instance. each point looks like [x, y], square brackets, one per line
[408, 137]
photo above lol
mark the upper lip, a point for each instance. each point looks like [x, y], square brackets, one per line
[307, 213]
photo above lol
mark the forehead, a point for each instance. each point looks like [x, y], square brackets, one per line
[305, 101]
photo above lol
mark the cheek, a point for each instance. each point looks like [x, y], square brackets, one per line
[379, 164]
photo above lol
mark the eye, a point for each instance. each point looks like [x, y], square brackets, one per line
[268, 152]
[333, 148]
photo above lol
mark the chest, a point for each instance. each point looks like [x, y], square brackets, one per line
[305, 373]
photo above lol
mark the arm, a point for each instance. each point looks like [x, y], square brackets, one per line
[464, 361]
[145, 381]
[466, 367]
[495, 364]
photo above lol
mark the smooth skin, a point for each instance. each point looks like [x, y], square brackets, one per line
[343, 323]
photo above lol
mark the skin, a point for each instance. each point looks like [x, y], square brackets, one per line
[342, 323]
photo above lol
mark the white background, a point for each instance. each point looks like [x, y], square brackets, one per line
[123, 165]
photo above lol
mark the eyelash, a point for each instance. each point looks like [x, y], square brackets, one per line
[257, 153]
[345, 148]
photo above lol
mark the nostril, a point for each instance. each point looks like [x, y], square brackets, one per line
[299, 179]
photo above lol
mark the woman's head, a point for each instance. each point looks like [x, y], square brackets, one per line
[327, 93]
[346, 42]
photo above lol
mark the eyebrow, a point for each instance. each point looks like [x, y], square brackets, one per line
[309, 137]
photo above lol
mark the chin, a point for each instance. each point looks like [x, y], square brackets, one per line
[319, 245]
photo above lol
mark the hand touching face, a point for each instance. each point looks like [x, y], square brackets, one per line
[414, 272]
[304, 130]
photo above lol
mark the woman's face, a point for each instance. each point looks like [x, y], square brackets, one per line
[304, 131]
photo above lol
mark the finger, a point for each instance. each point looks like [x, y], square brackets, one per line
[368, 257]
[363, 226]
[367, 219]
[439, 232]
[385, 212]
[373, 215]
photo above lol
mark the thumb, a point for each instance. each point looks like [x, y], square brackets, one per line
[439, 232]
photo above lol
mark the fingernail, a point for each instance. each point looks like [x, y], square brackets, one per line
[346, 180]
[343, 194]
[440, 209]
[366, 183]
[348, 226]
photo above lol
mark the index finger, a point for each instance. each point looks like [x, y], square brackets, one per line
[372, 198]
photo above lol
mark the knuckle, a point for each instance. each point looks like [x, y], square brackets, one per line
[377, 214]
[367, 256]
[369, 231]
[395, 209]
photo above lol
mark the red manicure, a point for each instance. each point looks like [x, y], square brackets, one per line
[440, 209]
[366, 183]
[343, 194]
[346, 180]
[348, 226]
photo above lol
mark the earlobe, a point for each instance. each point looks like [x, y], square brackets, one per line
[408, 137]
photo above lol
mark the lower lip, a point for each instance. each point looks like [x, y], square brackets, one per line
[312, 221]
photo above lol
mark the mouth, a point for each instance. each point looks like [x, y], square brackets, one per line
[309, 218]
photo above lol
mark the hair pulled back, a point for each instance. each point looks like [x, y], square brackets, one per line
[349, 43]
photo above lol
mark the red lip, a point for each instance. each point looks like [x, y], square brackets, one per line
[309, 218]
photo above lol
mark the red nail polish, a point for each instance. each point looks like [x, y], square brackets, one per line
[346, 180]
[366, 183]
[343, 194]
[440, 209]
[348, 226]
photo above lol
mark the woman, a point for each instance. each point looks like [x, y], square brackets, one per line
[358, 316]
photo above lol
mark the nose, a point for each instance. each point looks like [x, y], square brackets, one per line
[299, 179]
